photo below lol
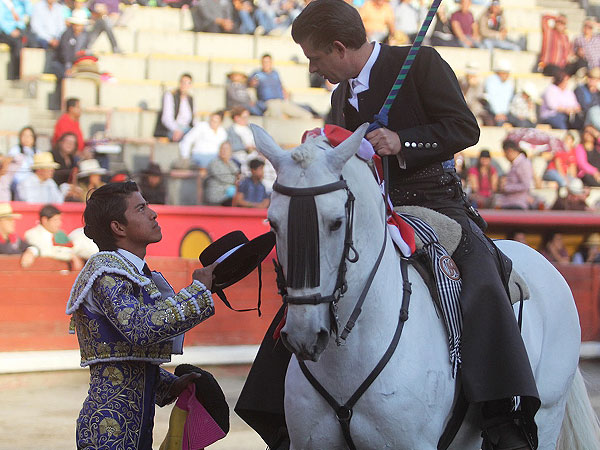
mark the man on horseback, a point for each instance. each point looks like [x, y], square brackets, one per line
[429, 122]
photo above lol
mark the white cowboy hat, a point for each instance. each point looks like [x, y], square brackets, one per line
[6, 212]
[44, 160]
[502, 65]
[89, 167]
[78, 17]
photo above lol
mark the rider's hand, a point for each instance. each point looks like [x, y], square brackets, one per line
[384, 141]
[205, 275]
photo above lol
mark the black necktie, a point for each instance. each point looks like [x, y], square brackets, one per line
[147, 271]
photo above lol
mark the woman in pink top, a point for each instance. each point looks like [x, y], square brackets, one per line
[560, 107]
[587, 155]
[483, 181]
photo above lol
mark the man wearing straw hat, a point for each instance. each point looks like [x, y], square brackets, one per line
[428, 122]
[10, 243]
[39, 186]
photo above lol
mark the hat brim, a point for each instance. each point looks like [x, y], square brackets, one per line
[243, 261]
[45, 166]
[87, 173]
[11, 216]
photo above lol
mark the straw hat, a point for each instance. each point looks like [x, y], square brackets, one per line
[79, 17]
[502, 65]
[89, 167]
[472, 68]
[593, 239]
[237, 70]
[6, 212]
[44, 160]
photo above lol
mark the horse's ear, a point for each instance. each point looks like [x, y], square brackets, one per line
[339, 155]
[267, 145]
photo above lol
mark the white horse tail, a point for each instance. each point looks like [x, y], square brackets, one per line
[580, 428]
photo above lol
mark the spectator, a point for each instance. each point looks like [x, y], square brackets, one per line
[153, 186]
[556, 48]
[560, 108]
[89, 177]
[587, 45]
[222, 174]
[561, 166]
[177, 113]
[6, 177]
[522, 112]
[442, 34]
[50, 241]
[239, 133]
[516, 184]
[251, 193]
[202, 143]
[409, 17]
[10, 243]
[105, 13]
[47, 24]
[378, 17]
[252, 19]
[69, 123]
[272, 97]
[22, 155]
[64, 153]
[499, 90]
[517, 235]
[83, 246]
[572, 197]
[483, 181]
[213, 16]
[493, 28]
[588, 97]
[39, 186]
[588, 251]
[587, 156]
[472, 89]
[553, 248]
[11, 34]
[237, 95]
[73, 41]
[464, 27]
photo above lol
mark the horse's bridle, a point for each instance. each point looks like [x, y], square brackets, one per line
[341, 284]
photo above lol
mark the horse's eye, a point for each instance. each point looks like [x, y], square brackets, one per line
[336, 225]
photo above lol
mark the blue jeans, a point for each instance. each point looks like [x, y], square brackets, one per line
[554, 175]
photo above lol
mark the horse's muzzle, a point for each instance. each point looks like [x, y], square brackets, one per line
[304, 351]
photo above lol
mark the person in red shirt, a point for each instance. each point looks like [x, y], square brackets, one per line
[483, 180]
[69, 123]
[556, 47]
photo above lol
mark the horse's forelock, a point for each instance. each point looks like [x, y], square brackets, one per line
[310, 150]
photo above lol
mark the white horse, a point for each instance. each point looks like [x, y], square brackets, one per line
[409, 403]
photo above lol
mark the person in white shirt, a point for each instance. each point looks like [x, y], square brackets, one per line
[177, 113]
[48, 23]
[201, 144]
[39, 186]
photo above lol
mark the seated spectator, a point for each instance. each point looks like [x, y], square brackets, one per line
[47, 24]
[588, 97]
[201, 144]
[409, 17]
[272, 97]
[213, 16]
[561, 166]
[560, 108]
[83, 246]
[176, 116]
[39, 186]
[153, 186]
[251, 193]
[251, 19]
[239, 133]
[73, 41]
[6, 177]
[572, 197]
[586, 46]
[556, 47]
[499, 90]
[516, 184]
[12, 35]
[237, 95]
[522, 112]
[442, 34]
[517, 235]
[472, 89]
[587, 156]
[221, 176]
[277, 15]
[464, 27]
[89, 177]
[493, 28]
[105, 14]
[50, 241]
[64, 154]
[378, 18]
[588, 251]
[68, 122]
[21, 157]
[483, 181]
[553, 248]
[10, 243]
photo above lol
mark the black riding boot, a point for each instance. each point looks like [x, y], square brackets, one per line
[502, 427]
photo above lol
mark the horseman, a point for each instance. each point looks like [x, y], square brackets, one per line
[429, 122]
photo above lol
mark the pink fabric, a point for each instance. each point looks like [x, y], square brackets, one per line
[583, 166]
[200, 428]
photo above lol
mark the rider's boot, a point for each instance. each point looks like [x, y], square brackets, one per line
[502, 429]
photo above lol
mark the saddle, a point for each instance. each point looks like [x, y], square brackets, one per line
[449, 234]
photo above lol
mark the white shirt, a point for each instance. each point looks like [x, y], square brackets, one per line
[202, 139]
[30, 189]
[245, 134]
[361, 82]
[184, 117]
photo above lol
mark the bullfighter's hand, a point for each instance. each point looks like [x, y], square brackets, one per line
[205, 275]
[181, 383]
[385, 142]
